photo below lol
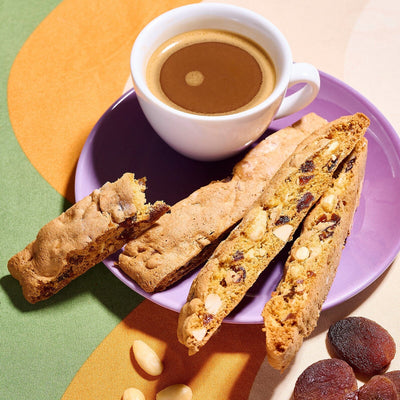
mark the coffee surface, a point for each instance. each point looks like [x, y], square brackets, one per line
[210, 72]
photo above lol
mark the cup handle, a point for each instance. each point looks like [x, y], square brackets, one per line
[301, 73]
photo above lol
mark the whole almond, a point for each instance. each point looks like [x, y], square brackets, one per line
[147, 358]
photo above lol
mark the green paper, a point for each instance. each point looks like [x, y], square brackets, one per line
[42, 346]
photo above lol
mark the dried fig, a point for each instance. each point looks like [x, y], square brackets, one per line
[363, 344]
[378, 387]
[394, 376]
[330, 379]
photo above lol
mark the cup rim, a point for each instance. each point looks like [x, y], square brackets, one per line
[139, 80]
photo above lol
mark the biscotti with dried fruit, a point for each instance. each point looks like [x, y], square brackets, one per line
[294, 308]
[85, 234]
[265, 229]
[184, 238]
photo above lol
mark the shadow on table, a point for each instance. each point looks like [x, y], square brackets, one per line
[98, 283]
[240, 345]
[236, 352]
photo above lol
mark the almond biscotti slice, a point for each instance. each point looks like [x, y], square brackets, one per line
[293, 310]
[184, 238]
[85, 234]
[265, 229]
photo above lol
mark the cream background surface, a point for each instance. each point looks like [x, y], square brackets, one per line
[358, 42]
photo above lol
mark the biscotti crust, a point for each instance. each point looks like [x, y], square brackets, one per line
[294, 308]
[85, 234]
[265, 229]
[187, 236]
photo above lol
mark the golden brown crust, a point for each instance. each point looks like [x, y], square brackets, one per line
[187, 236]
[85, 234]
[265, 229]
[293, 310]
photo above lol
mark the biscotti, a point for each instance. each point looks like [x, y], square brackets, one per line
[265, 229]
[85, 234]
[184, 238]
[293, 310]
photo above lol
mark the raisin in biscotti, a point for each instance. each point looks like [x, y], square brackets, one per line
[184, 238]
[266, 228]
[85, 234]
[293, 310]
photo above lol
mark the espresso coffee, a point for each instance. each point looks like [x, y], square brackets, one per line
[210, 72]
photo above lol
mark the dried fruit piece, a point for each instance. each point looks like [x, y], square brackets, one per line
[330, 379]
[378, 387]
[362, 343]
[305, 179]
[394, 376]
[332, 164]
[283, 219]
[238, 255]
[207, 318]
[307, 166]
[305, 201]
[238, 274]
[350, 164]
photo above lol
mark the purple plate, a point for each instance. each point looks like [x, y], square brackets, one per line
[123, 141]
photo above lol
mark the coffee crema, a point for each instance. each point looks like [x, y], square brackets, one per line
[210, 72]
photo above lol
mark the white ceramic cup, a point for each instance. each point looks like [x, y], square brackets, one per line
[207, 137]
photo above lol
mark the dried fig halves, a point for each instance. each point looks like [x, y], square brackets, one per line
[330, 379]
[378, 387]
[365, 345]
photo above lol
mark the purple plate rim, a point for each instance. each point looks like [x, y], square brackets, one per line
[390, 256]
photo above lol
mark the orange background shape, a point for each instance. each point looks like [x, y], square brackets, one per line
[68, 72]
[224, 369]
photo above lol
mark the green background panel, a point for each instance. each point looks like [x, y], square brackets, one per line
[34, 339]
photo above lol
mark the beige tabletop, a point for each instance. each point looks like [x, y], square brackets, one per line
[358, 42]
